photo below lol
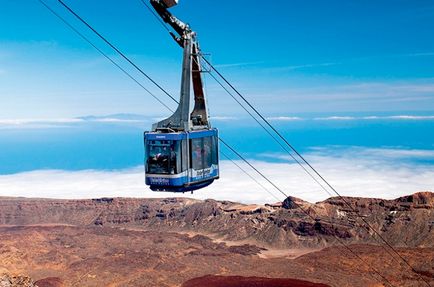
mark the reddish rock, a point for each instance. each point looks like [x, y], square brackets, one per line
[238, 281]
[50, 282]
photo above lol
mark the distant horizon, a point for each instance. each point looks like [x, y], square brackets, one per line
[91, 156]
[423, 114]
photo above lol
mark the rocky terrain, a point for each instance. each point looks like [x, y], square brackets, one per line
[239, 281]
[174, 242]
[7, 280]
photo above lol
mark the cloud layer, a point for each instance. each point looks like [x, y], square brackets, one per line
[357, 172]
[32, 123]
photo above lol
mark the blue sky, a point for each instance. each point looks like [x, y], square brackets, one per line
[349, 83]
[288, 57]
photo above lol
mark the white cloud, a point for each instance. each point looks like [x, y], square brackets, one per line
[351, 175]
[114, 120]
[397, 117]
[388, 153]
[62, 122]
[222, 118]
[284, 118]
[37, 123]
[375, 117]
[32, 121]
[336, 118]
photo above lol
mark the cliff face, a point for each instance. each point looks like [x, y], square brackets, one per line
[407, 221]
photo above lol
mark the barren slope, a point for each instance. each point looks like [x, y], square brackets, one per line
[157, 242]
[406, 221]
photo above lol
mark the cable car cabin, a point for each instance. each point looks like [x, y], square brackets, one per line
[181, 161]
[181, 151]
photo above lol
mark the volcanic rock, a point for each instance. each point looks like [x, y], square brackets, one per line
[7, 280]
[406, 221]
[50, 282]
[144, 242]
[239, 281]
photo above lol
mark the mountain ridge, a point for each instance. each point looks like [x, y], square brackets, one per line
[143, 242]
[274, 225]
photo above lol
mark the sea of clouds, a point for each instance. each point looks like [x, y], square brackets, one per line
[355, 171]
[352, 171]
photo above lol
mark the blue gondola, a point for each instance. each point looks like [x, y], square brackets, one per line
[182, 161]
[181, 152]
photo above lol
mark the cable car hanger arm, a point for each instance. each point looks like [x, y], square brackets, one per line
[180, 27]
[184, 118]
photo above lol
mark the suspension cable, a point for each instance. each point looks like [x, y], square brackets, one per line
[299, 206]
[102, 53]
[233, 97]
[233, 150]
[319, 175]
[116, 49]
[296, 152]
[250, 176]
[271, 135]
[143, 87]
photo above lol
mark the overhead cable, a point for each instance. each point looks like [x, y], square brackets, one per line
[102, 53]
[117, 50]
[319, 175]
[239, 155]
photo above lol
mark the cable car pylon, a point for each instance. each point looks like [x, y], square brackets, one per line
[181, 152]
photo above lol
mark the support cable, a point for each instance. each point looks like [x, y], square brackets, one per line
[102, 53]
[250, 176]
[301, 208]
[143, 87]
[271, 135]
[232, 149]
[319, 175]
[233, 97]
[116, 49]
